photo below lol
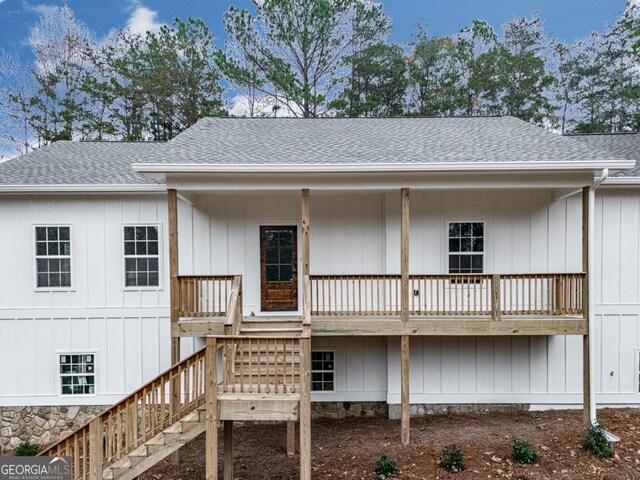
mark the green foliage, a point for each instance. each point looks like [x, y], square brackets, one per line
[26, 449]
[311, 58]
[452, 458]
[597, 443]
[292, 51]
[523, 452]
[386, 467]
[376, 85]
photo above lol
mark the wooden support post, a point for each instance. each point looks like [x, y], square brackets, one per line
[172, 202]
[211, 405]
[174, 300]
[306, 225]
[404, 315]
[96, 452]
[495, 298]
[132, 425]
[228, 450]
[586, 364]
[305, 409]
[291, 439]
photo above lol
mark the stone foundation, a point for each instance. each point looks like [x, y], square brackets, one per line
[348, 409]
[41, 425]
[420, 410]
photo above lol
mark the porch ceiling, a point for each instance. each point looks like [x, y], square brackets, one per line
[390, 181]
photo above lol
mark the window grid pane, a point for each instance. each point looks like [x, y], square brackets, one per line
[322, 371]
[53, 257]
[77, 374]
[141, 252]
[466, 247]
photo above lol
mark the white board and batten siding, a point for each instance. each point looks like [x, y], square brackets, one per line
[356, 234]
[528, 232]
[347, 236]
[127, 329]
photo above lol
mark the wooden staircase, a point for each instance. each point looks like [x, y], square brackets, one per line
[159, 447]
[265, 376]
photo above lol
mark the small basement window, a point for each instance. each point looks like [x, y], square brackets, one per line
[53, 257]
[77, 373]
[466, 247]
[322, 371]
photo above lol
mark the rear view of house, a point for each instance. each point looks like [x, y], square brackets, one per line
[391, 265]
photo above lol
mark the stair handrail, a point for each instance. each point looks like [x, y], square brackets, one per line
[120, 423]
[233, 319]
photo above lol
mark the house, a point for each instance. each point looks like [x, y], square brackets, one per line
[401, 263]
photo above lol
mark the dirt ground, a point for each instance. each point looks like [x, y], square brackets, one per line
[349, 448]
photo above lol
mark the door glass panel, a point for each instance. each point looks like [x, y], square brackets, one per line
[278, 251]
[286, 273]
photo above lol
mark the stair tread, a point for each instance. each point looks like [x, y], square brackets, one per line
[259, 396]
[272, 319]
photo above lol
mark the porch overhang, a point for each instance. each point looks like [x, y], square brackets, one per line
[381, 177]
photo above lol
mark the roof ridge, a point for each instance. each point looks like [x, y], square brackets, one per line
[404, 117]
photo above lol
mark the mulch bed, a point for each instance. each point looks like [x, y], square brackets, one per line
[349, 448]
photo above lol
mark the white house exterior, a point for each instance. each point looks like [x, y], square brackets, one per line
[81, 308]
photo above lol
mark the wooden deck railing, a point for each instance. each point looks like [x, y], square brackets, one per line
[355, 294]
[546, 294]
[541, 294]
[204, 295]
[260, 365]
[135, 419]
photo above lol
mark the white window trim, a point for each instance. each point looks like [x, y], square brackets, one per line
[134, 288]
[636, 379]
[323, 392]
[72, 242]
[484, 244]
[88, 351]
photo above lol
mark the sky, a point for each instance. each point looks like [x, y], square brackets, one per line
[565, 19]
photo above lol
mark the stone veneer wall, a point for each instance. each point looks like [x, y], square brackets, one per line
[46, 425]
[420, 410]
[348, 409]
[41, 425]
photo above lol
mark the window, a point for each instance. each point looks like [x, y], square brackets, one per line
[466, 247]
[77, 373]
[141, 257]
[53, 257]
[322, 371]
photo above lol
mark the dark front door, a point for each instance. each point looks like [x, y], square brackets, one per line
[278, 269]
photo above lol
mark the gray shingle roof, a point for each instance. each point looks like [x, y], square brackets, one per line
[331, 141]
[79, 163]
[625, 146]
[369, 141]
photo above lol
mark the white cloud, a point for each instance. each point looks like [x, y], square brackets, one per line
[143, 20]
[43, 9]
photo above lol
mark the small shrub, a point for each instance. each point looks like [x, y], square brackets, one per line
[523, 452]
[26, 449]
[452, 458]
[597, 443]
[386, 467]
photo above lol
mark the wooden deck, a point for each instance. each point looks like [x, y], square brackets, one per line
[439, 304]
[393, 326]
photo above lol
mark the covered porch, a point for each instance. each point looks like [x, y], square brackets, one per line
[410, 302]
